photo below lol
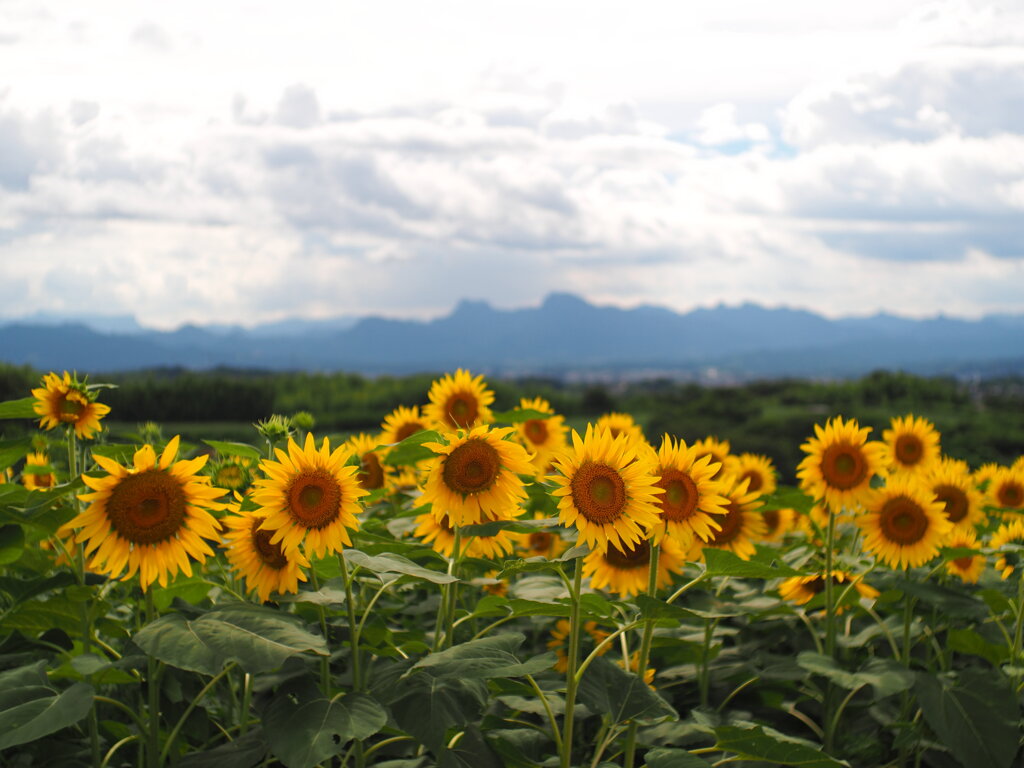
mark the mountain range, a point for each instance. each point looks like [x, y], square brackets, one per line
[564, 336]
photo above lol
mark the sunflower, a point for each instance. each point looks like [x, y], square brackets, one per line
[309, 497]
[969, 567]
[757, 468]
[905, 524]
[983, 475]
[540, 543]
[542, 437]
[800, 590]
[840, 463]
[955, 489]
[560, 636]
[151, 516]
[405, 480]
[402, 423]
[913, 444]
[1008, 533]
[634, 667]
[626, 570]
[622, 424]
[459, 401]
[372, 470]
[691, 501]
[778, 522]
[265, 566]
[476, 475]
[68, 401]
[37, 474]
[606, 489]
[717, 450]
[742, 524]
[1006, 489]
[437, 531]
[232, 472]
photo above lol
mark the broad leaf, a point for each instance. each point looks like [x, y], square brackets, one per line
[19, 409]
[608, 690]
[40, 715]
[242, 450]
[722, 562]
[411, 450]
[240, 753]
[12, 451]
[886, 676]
[389, 563]
[667, 757]
[775, 748]
[12, 543]
[483, 659]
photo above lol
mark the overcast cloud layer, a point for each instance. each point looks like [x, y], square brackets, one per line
[242, 162]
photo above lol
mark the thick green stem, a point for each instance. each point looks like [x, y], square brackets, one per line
[153, 691]
[830, 626]
[353, 627]
[645, 651]
[704, 676]
[1018, 628]
[453, 588]
[556, 734]
[325, 661]
[570, 674]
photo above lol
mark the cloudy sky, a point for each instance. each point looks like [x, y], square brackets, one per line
[242, 161]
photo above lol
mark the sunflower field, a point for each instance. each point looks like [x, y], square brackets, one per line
[476, 588]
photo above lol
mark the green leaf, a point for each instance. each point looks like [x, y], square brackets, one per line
[411, 450]
[667, 757]
[975, 716]
[12, 451]
[30, 675]
[12, 543]
[245, 752]
[969, 641]
[19, 409]
[722, 562]
[518, 415]
[516, 526]
[886, 676]
[389, 563]
[34, 716]
[952, 602]
[787, 497]
[259, 639]
[35, 616]
[303, 728]
[243, 450]
[608, 690]
[519, 747]
[471, 751]
[652, 608]
[483, 659]
[430, 706]
[191, 589]
[775, 748]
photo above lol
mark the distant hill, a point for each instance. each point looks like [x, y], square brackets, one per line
[565, 335]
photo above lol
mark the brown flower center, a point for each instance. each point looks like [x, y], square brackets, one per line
[633, 556]
[536, 431]
[472, 467]
[844, 466]
[732, 525]
[147, 508]
[461, 410]
[903, 521]
[1010, 494]
[271, 554]
[314, 498]
[755, 478]
[679, 501]
[908, 450]
[772, 519]
[541, 542]
[407, 430]
[964, 563]
[715, 459]
[955, 500]
[371, 473]
[598, 492]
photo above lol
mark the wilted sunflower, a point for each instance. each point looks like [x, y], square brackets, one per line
[905, 524]
[542, 437]
[742, 524]
[607, 489]
[968, 567]
[310, 497]
[402, 423]
[621, 424]
[438, 532]
[372, 474]
[476, 475]
[955, 489]
[840, 463]
[626, 570]
[913, 444]
[800, 590]
[756, 468]
[264, 565]
[778, 522]
[37, 475]
[459, 401]
[717, 450]
[1008, 533]
[151, 516]
[65, 400]
[1006, 489]
[692, 502]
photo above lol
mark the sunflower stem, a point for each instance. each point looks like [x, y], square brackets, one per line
[570, 673]
[153, 691]
[325, 661]
[1018, 628]
[353, 626]
[453, 587]
[645, 651]
[830, 627]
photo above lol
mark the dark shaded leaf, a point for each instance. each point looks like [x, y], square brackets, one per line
[240, 753]
[758, 744]
[607, 689]
[38, 716]
[722, 562]
[390, 563]
[667, 757]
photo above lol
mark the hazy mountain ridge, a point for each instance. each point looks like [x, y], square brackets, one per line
[564, 334]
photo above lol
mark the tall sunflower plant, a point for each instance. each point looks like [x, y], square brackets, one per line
[473, 586]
